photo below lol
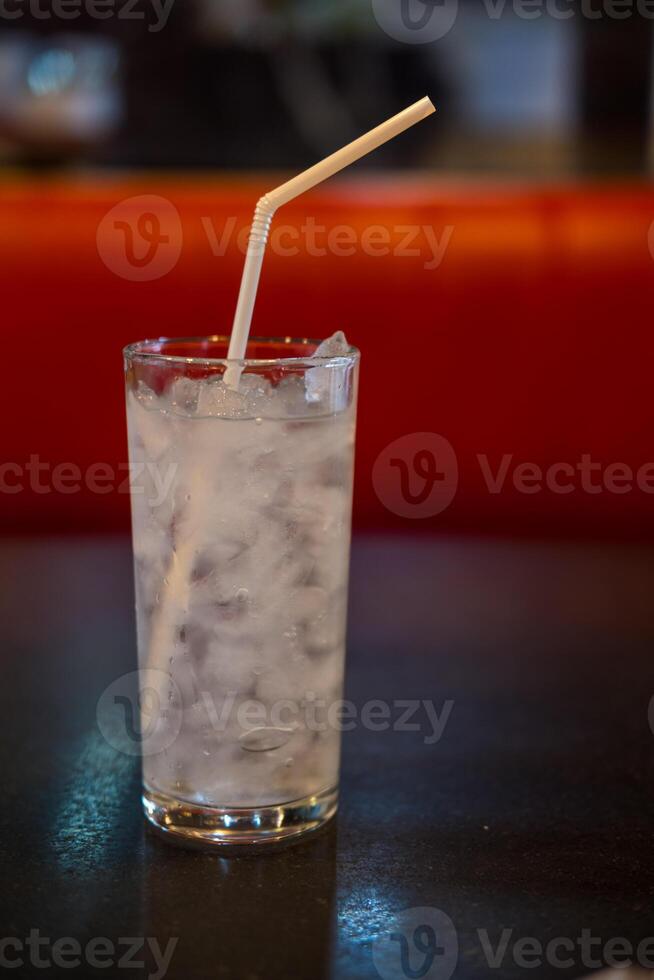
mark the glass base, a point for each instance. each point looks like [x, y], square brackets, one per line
[188, 823]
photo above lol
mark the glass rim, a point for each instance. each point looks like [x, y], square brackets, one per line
[136, 350]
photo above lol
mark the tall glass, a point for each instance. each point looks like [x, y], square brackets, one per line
[241, 511]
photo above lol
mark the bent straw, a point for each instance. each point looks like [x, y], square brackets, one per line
[269, 203]
[177, 581]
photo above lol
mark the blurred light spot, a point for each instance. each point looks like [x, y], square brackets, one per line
[363, 913]
[91, 806]
[52, 71]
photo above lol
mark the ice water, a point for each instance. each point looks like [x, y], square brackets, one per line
[241, 525]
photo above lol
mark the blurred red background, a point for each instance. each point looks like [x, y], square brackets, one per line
[529, 339]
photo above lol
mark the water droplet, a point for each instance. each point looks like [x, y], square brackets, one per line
[289, 761]
[258, 421]
[242, 594]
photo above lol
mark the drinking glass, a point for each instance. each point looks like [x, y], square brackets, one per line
[241, 512]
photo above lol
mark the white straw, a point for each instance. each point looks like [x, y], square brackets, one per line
[269, 203]
[177, 580]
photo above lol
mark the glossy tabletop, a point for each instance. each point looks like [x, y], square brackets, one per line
[507, 795]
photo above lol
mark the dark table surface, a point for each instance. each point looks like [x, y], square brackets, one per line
[533, 813]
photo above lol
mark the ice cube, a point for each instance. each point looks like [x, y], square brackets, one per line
[289, 398]
[216, 398]
[334, 346]
[308, 603]
[276, 686]
[255, 383]
[150, 428]
[324, 635]
[326, 384]
[146, 396]
[232, 665]
[183, 396]
[256, 391]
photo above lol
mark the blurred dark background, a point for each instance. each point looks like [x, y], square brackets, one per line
[548, 88]
[526, 202]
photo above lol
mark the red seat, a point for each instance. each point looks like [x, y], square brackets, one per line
[532, 339]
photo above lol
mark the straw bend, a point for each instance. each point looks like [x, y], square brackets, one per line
[263, 215]
[268, 204]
